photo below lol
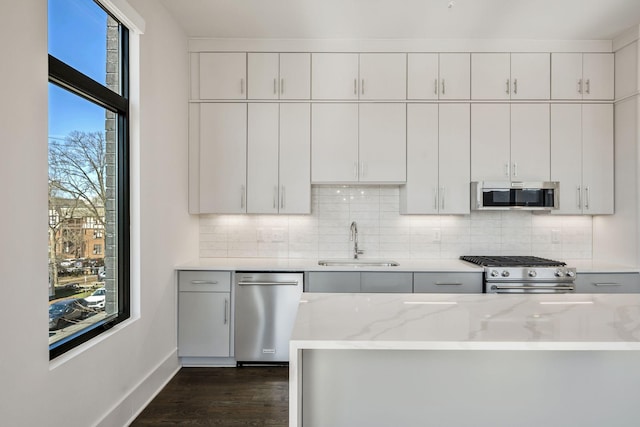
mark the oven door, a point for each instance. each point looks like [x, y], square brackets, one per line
[529, 287]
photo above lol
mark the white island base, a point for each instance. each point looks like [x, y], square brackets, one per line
[466, 360]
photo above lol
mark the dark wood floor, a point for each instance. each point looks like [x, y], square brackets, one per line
[247, 396]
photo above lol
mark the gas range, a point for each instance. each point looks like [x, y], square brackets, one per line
[524, 274]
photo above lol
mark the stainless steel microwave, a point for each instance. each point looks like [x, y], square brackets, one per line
[514, 195]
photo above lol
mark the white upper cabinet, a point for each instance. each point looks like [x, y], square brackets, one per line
[383, 143]
[278, 159]
[352, 76]
[510, 142]
[510, 76]
[221, 76]
[582, 157]
[222, 157]
[383, 76]
[438, 160]
[279, 75]
[582, 76]
[358, 143]
[438, 76]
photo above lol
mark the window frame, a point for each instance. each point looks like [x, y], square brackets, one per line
[76, 82]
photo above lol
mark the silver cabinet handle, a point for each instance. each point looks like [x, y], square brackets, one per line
[275, 86]
[588, 86]
[435, 87]
[362, 86]
[508, 86]
[579, 192]
[242, 196]
[363, 170]
[442, 197]
[282, 86]
[275, 197]
[435, 198]
[506, 168]
[443, 87]
[267, 283]
[355, 170]
[282, 197]
[580, 86]
[355, 86]
[448, 284]
[515, 86]
[204, 282]
[515, 169]
[586, 197]
[242, 86]
[607, 284]
[226, 309]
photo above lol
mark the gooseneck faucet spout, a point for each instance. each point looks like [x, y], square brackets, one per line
[354, 238]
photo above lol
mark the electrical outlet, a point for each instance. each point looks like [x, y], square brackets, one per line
[555, 235]
[262, 235]
[277, 235]
[437, 235]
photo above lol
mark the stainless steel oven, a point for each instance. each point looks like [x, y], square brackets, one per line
[524, 274]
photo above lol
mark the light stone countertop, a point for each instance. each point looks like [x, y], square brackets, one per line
[406, 265]
[467, 322]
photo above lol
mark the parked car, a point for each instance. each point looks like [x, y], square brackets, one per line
[95, 301]
[101, 274]
[67, 311]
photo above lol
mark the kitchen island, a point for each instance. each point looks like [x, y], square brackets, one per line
[465, 360]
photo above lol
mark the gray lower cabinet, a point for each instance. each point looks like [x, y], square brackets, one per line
[449, 283]
[607, 283]
[204, 314]
[338, 281]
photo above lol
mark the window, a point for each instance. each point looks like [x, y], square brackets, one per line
[88, 198]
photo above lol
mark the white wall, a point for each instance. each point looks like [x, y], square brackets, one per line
[107, 381]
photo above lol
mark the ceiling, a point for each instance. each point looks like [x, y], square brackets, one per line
[406, 19]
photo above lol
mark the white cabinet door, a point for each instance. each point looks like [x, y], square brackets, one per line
[383, 143]
[262, 158]
[383, 76]
[598, 75]
[597, 158]
[530, 76]
[490, 76]
[566, 156]
[455, 76]
[530, 145]
[262, 73]
[422, 76]
[334, 143]
[204, 324]
[223, 76]
[335, 76]
[566, 76]
[295, 159]
[295, 75]
[490, 142]
[454, 159]
[420, 194]
[223, 154]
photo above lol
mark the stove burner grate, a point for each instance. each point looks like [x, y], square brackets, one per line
[511, 261]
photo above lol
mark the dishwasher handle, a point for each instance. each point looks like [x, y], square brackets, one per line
[267, 283]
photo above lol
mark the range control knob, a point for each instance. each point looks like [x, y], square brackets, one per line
[559, 273]
[571, 273]
[532, 273]
[494, 273]
[505, 273]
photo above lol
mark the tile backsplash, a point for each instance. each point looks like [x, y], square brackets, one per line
[384, 233]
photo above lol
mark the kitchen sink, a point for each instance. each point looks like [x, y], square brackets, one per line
[357, 263]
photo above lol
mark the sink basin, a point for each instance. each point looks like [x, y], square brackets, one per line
[357, 263]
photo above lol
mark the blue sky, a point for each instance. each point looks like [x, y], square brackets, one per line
[77, 36]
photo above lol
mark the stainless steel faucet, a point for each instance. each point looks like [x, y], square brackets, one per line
[354, 238]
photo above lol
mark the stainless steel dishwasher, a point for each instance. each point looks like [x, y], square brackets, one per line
[265, 310]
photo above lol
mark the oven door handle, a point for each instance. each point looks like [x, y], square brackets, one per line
[557, 288]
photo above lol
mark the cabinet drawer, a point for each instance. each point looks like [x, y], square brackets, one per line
[386, 282]
[448, 283]
[333, 282]
[204, 281]
[607, 283]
